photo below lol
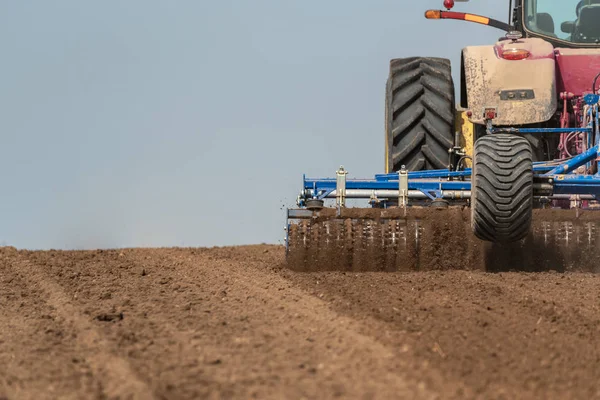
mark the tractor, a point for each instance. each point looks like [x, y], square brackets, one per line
[519, 148]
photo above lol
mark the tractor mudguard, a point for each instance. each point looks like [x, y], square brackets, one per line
[522, 91]
[577, 69]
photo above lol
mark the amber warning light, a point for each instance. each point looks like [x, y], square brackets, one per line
[515, 54]
[433, 14]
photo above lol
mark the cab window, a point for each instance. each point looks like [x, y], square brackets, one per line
[576, 21]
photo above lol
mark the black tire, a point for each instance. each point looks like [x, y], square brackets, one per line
[538, 144]
[419, 114]
[502, 188]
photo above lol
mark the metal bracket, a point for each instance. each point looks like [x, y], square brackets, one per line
[403, 187]
[340, 190]
[324, 194]
[373, 200]
[433, 194]
[489, 114]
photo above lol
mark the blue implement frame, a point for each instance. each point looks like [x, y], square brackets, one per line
[556, 177]
[444, 180]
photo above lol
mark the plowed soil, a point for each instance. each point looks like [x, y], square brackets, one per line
[235, 323]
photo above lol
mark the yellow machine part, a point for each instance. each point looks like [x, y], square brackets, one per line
[466, 132]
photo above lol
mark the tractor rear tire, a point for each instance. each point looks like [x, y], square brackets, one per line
[502, 188]
[420, 114]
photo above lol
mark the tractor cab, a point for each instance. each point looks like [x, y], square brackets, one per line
[565, 23]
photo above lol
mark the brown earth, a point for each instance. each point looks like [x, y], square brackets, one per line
[233, 323]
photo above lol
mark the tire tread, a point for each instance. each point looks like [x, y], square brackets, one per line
[419, 113]
[502, 188]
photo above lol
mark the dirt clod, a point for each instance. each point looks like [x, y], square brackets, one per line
[109, 317]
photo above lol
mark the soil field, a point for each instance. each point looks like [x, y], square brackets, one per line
[235, 323]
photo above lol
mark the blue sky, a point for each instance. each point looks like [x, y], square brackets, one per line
[170, 123]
